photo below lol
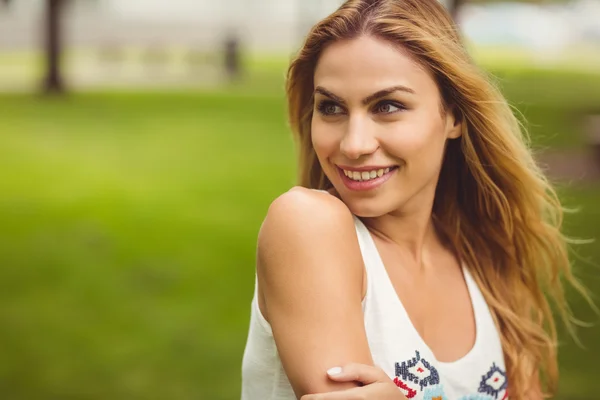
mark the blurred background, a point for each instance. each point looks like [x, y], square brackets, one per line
[141, 142]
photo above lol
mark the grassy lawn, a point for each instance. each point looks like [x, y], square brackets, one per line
[128, 226]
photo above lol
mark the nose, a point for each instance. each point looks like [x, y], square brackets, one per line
[359, 138]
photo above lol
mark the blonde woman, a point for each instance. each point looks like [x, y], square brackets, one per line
[410, 262]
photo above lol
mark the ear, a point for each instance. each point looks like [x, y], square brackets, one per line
[454, 122]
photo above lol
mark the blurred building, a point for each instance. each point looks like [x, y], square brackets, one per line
[156, 42]
[278, 25]
[544, 28]
[265, 25]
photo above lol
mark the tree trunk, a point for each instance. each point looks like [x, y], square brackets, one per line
[454, 6]
[53, 82]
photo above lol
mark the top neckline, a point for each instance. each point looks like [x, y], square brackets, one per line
[471, 287]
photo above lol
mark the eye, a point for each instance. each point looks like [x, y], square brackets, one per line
[328, 107]
[388, 107]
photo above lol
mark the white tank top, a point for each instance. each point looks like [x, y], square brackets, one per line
[395, 345]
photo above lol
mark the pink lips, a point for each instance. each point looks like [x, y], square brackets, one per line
[368, 184]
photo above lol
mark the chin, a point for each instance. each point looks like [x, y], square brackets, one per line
[366, 207]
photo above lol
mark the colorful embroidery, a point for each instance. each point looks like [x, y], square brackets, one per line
[405, 389]
[417, 370]
[493, 382]
[477, 397]
[435, 393]
[417, 375]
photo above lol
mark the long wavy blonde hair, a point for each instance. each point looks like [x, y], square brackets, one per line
[505, 220]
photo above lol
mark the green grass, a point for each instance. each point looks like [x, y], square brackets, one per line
[128, 228]
[127, 241]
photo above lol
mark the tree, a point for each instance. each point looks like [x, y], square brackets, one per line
[53, 81]
[454, 6]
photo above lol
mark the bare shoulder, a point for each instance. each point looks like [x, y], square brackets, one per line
[300, 210]
[305, 228]
[316, 203]
[310, 272]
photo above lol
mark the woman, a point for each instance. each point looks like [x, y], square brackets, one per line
[410, 261]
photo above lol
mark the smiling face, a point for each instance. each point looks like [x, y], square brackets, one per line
[378, 127]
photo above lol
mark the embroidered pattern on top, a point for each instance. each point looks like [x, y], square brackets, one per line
[494, 382]
[415, 374]
[435, 393]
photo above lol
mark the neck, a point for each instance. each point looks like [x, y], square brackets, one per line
[413, 232]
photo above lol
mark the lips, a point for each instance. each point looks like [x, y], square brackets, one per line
[365, 175]
[367, 179]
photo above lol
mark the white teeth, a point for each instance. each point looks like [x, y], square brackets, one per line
[366, 175]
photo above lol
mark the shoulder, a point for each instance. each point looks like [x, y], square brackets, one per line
[310, 277]
[307, 209]
[308, 235]
[305, 217]
[315, 202]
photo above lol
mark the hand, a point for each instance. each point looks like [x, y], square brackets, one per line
[376, 384]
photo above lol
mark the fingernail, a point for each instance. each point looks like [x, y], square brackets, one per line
[334, 371]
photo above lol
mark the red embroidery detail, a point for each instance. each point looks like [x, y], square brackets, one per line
[496, 379]
[420, 369]
[410, 393]
[505, 397]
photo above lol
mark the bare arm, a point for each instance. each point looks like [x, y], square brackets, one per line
[310, 274]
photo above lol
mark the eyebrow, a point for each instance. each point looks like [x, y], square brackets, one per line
[368, 99]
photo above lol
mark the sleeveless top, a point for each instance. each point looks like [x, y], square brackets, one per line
[395, 345]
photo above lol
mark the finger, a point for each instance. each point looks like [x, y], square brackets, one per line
[365, 374]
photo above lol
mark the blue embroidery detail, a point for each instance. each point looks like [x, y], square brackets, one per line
[436, 392]
[476, 397]
[423, 377]
[493, 382]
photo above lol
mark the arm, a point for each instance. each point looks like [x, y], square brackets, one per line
[310, 273]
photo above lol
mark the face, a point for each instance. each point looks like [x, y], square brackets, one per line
[378, 128]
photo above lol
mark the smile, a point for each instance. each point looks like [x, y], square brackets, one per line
[366, 179]
[365, 175]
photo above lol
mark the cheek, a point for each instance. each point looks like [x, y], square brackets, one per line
[324, 139]
[416, 142]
